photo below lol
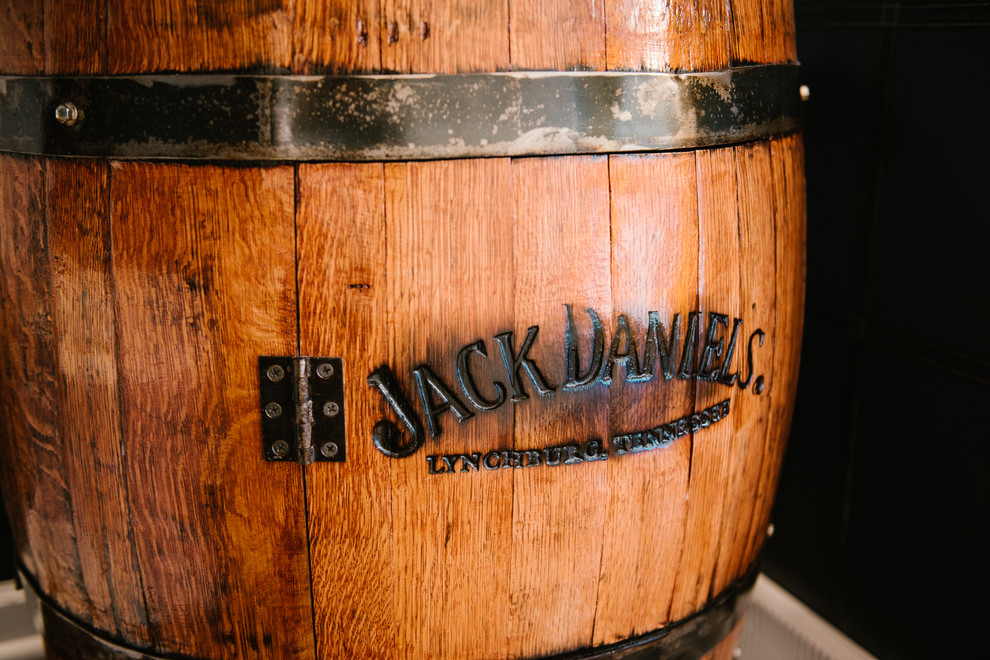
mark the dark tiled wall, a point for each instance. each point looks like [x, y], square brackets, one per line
[886, 483]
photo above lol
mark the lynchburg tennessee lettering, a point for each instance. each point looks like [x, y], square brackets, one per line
[704, 347]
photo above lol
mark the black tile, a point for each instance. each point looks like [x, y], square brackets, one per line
[842, 155]
[915, 560]
[803, 554]
[930, 268]
[7, 566]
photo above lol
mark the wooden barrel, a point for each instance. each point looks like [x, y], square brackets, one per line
[269, 393]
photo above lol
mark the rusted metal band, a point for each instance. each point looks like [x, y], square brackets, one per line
[690, 638]
[410, 117]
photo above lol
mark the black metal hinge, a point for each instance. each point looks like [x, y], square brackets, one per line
[302, 409]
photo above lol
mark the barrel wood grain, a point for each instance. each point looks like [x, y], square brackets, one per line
[757, 285]
[786, 187]
[307, 36]
[35, 476]
[343, 311]
[336, 37]
[22, 37]
[746, 33]
[718, 290]
[666, 37]
[778, 27]
[557, 36]
[21, 194]
[451, 530]
[432, 36]
[561, 212]
[86, 351]
[761, 31]
[205, 277]
[186, 35]
[75, 39]
[787, 166]
[654, 205]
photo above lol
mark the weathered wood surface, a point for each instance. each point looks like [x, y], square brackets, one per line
[787, 167]
[137, 495]
[442, 37]
[718, 292]
[203, 262]
[309, 36]
[761, 31]
[561, 246]
[186, 35]
[186, 286]
[450, 535]
[557, 36]
[143, 293]
[35, 479]
[76, 38]
[338, 35]
[688, 36]
[757, 269]
[343, 311]
[84, 324]
[22, 37]
[648, 277]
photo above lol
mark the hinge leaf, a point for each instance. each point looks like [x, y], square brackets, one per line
[302, 408]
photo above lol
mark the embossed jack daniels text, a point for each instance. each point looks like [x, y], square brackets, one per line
[706, 350]
[575, 453]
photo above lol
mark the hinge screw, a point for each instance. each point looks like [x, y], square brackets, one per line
[329, 449]
[275, 373]
[67, 114]
[330, 409]
[280, 448]
[325, 370]
[273, 410]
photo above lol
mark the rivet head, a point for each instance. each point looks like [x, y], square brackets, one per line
[280, 448]
[275, 373]
[329, 449]
[273, 410]
[330, 409]
[325, 370]
[67, 113]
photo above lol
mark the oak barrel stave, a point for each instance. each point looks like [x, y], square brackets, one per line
[153, 519]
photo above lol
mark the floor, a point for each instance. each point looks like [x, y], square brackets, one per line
[19, 639]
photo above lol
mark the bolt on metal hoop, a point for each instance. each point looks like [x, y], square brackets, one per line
[67, 113]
